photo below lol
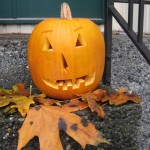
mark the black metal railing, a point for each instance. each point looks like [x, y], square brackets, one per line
[137, 38]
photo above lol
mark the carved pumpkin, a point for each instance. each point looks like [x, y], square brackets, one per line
[66, 56]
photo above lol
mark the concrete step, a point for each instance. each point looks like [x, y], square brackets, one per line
[121, 125]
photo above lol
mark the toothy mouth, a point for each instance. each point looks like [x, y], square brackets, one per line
[69, 84]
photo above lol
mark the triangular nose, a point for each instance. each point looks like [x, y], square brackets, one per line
[65, 64]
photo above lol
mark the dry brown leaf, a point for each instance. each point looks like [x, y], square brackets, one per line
[18, 89]
[99, 93]
[46, 121]
[91, 99]
[45, 101]
[121, 97]
[21, 89]
[121, 90]
[75, 105]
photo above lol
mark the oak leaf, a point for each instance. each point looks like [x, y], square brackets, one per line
[46, 121]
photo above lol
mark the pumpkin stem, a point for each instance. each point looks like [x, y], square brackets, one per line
[65, 11]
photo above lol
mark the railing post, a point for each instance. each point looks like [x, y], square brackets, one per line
[140, 21]
[130, 15]
[108, 42]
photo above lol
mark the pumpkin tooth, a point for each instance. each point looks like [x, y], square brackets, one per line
[65, 87]
[75, 85]
[54, 85]
[69, 83]
[60, 84]
[90, 79]
[72, 84]
[80, 82]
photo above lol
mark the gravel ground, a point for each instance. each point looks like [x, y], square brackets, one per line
[129, 69]
[120, 127]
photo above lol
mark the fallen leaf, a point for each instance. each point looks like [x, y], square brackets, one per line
[22, 103]
[18, 89]
[4, 101]
[75, 105]
[45, 101]
[46, 121]
[121, 90]
[93, 105]
[8, 110]
[4, 92]
[99, 93]
[121, 97]
[21, 89]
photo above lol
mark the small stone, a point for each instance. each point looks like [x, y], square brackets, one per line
[9, 130]
[68, 147]
[67, 138]
[11, 118]
[2, 48]
[21, 119]
[7, 134]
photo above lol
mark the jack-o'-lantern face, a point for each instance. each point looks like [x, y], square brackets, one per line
[66, 57]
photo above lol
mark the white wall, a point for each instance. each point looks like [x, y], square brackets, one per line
[121, 7]
[16, 28]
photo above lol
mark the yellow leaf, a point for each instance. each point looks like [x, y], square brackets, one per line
[15, 88]
[22, 103]
[4, 101]
[4, 92]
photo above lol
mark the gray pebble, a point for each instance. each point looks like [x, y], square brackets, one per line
[68, 147]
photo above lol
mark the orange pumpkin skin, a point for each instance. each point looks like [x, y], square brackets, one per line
[66, 57]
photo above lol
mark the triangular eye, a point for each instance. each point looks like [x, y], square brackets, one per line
[47, 45]
[79, 41]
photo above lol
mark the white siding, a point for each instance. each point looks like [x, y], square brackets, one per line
[16, 28]
[123, 10]
[121, 7]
